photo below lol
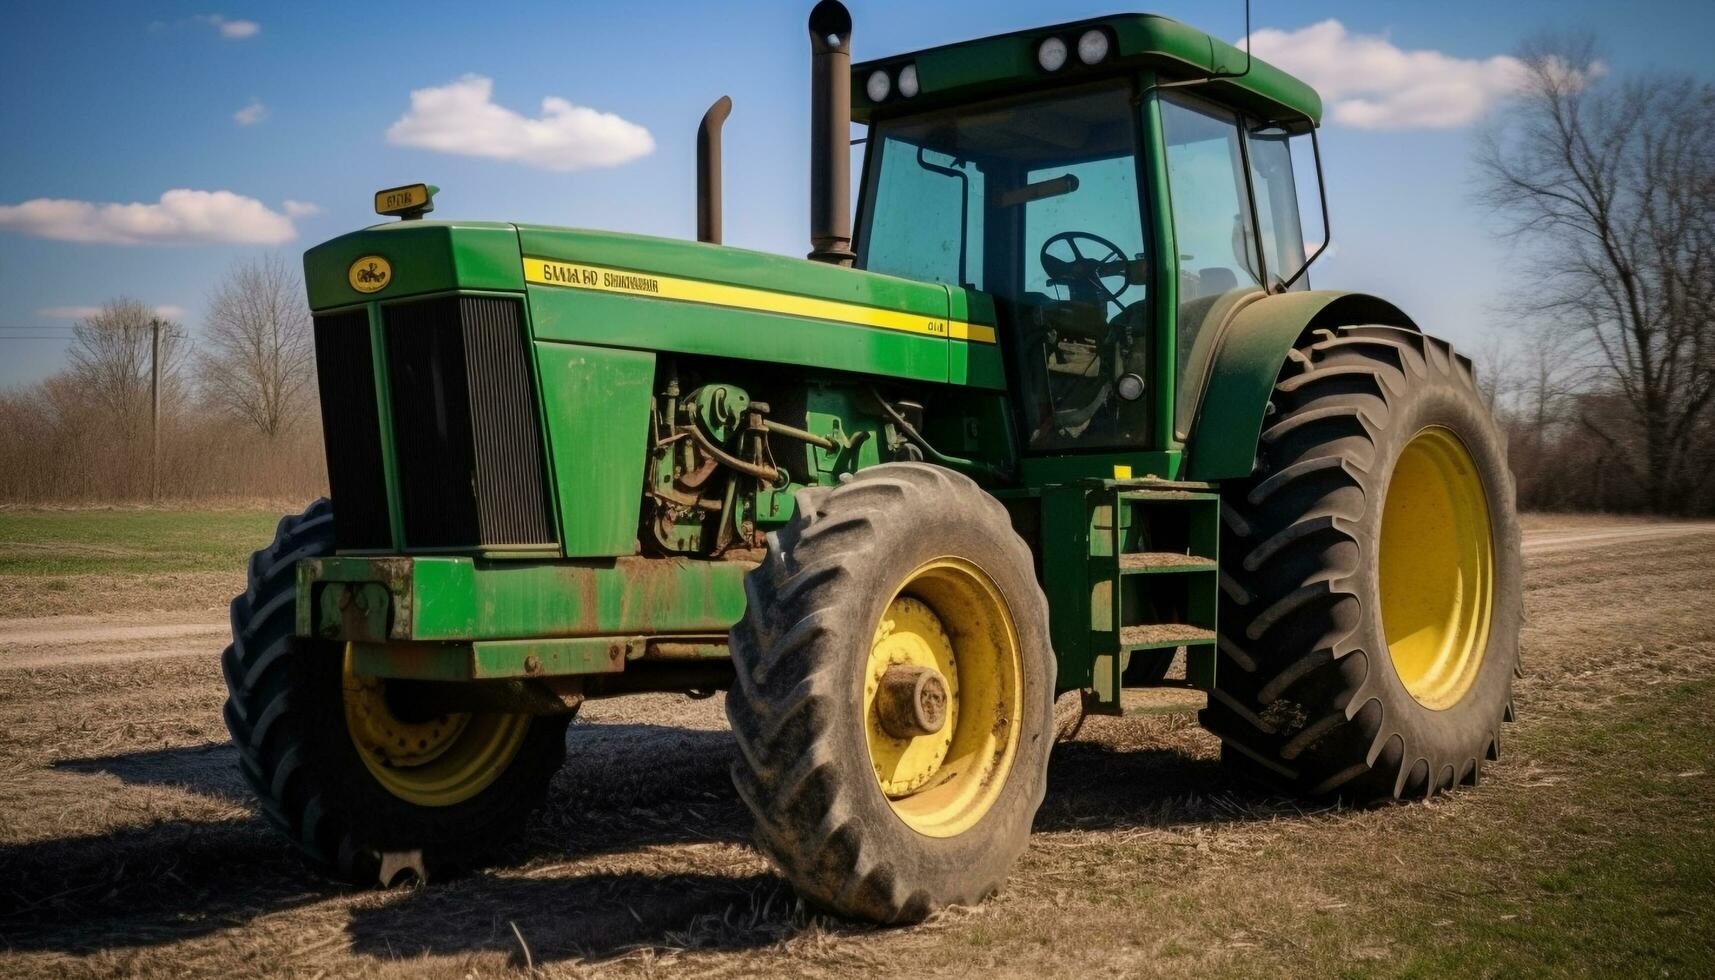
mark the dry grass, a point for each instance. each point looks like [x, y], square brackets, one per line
[69, 561]
[72, 595]
[128, 846]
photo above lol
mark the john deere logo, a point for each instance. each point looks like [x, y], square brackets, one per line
[370, 274]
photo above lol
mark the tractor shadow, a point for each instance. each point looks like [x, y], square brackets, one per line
[586, 918]
[208, 770]
[627, 787]
[1125, 774]
[147, 884]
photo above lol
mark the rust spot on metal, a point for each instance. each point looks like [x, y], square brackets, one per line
[703, 647]
[396, 575]
[568, 691]
[532, 664]
[589, 603]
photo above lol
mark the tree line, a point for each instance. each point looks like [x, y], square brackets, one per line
[238, 413]
[1608, 184]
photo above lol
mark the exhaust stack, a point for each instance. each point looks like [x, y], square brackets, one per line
[709, 171]
[830, 133]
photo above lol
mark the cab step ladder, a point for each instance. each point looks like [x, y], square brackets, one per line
[1154, 560]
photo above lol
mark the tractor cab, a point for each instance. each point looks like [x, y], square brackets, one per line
[1111, 187]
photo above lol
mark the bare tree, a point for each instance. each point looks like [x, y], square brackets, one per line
[110, 359]
[259, 359]
[1613, 184]
[1497, 370]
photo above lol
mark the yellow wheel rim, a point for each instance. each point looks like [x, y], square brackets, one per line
[436, 761]
[948, 617]
[1437, 568]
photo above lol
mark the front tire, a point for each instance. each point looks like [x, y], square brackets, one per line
[1371, 576]
[362, 792]
[905, 568]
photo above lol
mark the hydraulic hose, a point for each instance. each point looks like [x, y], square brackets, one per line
[772, 474]
[968, 466]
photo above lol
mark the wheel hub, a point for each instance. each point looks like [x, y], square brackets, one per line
[392, 740]
[909, 642]
[1437, 569]
[911, 701]
[942, 697]
[439, 761]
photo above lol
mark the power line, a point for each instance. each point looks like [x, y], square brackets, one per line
[9, 332]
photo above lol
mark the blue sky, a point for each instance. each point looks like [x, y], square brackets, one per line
[122, 102]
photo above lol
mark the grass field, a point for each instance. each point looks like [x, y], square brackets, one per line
[96, 561]
[128, 845]
[108, 542]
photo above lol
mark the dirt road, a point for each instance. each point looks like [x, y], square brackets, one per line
[129, 846]
[66, 640]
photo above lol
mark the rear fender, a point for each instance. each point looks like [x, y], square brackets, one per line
[1249, 351]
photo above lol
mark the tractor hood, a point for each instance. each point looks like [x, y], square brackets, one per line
[661, 294]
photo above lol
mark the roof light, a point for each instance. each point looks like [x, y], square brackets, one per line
[1092, 46]
[878, 86]
[908, 81]
[1051, 54]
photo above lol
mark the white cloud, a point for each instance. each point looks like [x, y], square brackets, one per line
[166, 311]
[251, 114]
[300, 209]
[1370, 83]
[180, 217]
[461, 117]
[232, 30]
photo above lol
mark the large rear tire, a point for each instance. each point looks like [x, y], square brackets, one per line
[906, 570]
[362, 792]
[1371, 576]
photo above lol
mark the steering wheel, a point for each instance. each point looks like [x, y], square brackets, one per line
[1086, 275]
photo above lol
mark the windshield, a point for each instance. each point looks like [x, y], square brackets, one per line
[1035, 202]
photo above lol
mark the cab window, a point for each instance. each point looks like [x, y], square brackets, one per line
[1036, 202]
[1213, 226]
[932, 226]
[1277, 204]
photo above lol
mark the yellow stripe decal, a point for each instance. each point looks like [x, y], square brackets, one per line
[578, 276]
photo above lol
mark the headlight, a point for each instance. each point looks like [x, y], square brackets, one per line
[1051, 54]
[878, 86]
[1092, 47]
[908, 81]
[1130, 387]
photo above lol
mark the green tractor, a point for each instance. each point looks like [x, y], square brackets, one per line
[1061, 419]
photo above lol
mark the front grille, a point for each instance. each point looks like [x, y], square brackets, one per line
[351, 430]
[465, 435]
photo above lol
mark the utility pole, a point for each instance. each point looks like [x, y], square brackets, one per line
[155, 408]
